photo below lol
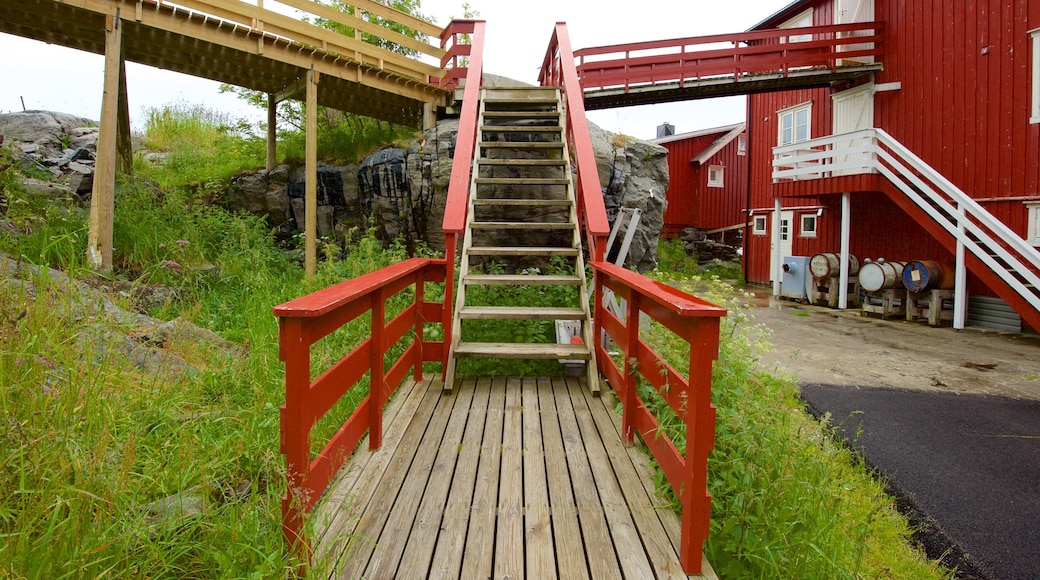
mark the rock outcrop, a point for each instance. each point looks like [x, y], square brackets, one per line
[64, 145]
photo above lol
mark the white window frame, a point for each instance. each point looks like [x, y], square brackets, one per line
[807, 232]
[792, 112]
[1034, 41]
[742, 145]
[719, 172]
[1033, 223]
[802, 20]
[759, 225]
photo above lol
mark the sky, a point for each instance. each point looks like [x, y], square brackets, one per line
[55, 78]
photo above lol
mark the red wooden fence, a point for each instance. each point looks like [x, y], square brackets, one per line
[558, 70]
[697, 323]
[749, 53]
[305, 321]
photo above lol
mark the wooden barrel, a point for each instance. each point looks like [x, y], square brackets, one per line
[827, 265]
[875, 276]
[921, 275]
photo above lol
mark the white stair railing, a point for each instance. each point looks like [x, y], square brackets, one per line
[875, 151]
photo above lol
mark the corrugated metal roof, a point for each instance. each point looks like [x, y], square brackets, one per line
[695, 134]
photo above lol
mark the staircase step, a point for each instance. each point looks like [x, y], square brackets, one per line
[521, 128]
[522, 350]
[520, 145]
[521, 280]
[522, 225]
[522, 181]
[521, 114]
[520, 313]
[522, 251]
[500, 201]
[523, 162]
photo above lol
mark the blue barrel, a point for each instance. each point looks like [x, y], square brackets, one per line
[921, 275]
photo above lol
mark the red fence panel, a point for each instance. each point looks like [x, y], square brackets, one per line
[697, 323]
[305, 321]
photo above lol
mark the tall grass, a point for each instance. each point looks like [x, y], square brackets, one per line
[787, 500]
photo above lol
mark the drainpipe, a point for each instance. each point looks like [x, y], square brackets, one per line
[843, 278]
[960, 290]
[776, 247]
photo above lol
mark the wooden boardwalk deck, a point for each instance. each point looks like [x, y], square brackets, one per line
[505, 478]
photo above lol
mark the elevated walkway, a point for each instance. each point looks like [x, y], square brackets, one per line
[508, 478]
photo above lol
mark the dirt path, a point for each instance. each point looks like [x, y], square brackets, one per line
[818, 345]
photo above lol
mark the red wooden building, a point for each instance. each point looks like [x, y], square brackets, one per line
[935, 155]
[707, 186]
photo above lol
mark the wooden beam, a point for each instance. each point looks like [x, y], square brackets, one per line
[311, 177]
[272, 132]
[102, 199]
[124, 147]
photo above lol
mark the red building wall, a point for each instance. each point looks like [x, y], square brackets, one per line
[684, 183]
[963, 107]
[691, 202]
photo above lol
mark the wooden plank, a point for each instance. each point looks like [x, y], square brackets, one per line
[102, 199]
[401, 522]
[352, 488]
[522, 280]
[521, 226]
[498, 201]
[418, 553]
[599, 547]
[521, 129]
[522, 350]
[637, 487]
[520, 313]
[310, 212]
[565, 525]
[524, 162]
[633, 558]
[509, 532]
[522, 251]
[519, 145]
[387, 486]
[538, 531]
[522, 181]
[452, 540]
[480, 539]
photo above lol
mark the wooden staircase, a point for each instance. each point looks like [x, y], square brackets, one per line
[521, 231]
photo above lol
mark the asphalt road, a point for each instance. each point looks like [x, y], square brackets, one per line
[967, 466]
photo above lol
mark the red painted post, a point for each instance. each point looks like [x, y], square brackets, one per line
[377, 388]
[420, 323]
[629, 397]
[450, 241]
[295, 352]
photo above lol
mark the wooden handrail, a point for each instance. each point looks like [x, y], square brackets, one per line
[558, 70]
[293, 30]
[753, 52]
[305, 321]
[697, 323]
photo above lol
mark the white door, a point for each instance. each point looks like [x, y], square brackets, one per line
[786, 243]
[849, 11]
[853, 110]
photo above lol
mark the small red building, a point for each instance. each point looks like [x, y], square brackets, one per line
[935, 155]
[707, 186]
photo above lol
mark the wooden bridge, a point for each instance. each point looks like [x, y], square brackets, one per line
[461, 475]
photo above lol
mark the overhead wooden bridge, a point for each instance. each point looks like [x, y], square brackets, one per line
[438, 472]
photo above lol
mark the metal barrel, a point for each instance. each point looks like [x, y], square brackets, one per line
[827, 265]
[875, 276]
[921, 275]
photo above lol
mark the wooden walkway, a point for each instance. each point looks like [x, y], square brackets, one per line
[505, 478]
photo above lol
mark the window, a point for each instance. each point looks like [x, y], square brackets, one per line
[794, 125]
[803, 20]
[759, 225]
[808, 226]
[742, 145]
[715, 173]
[1033, 233]
[1034, 40]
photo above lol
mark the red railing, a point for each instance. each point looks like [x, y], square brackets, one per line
[779, 51]
[460, 45]
[456, 205]
[697, 323]
[558, 70]
[305, 321]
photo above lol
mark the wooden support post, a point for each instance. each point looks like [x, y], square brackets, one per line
[124, 146]
[272, 131]
[102, 199]
[311, 177]
[429, 116]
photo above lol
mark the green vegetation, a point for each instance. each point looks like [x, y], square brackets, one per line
[673, 257]
[788, 500]
[111, 468]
